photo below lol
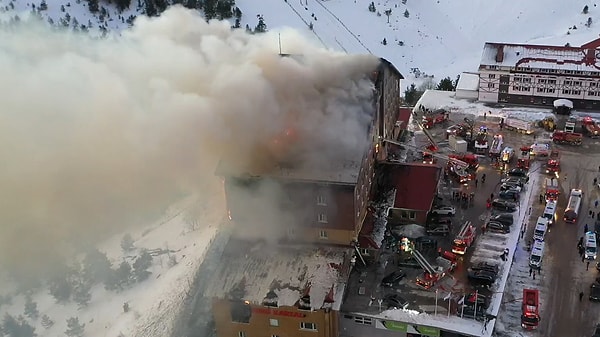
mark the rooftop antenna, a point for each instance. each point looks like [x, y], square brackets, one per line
[279, 37]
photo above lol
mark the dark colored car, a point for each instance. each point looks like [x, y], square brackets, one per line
[435, 220]
[393, 278]
[504, 205]
[395, 301]
[520, 173]
[595, 292]
[497, 227]
[441, 230]
[426, 241]
[509, 194]
[489, 267]
[503, 218]
[482, 278]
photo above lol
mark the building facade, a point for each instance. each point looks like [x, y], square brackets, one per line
[540, 74]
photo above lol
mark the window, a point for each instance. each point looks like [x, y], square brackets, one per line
[308, 326]
[491, 85]
[241, 334]
[492, 76]
[321, 200]
[364, 251]
[363, 320]
[404, 215]
[273, 322]
[412, 215]
[322, 217]
[323, 234]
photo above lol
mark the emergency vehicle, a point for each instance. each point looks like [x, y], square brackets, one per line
[552, 190]
[573, 206]
[464, 239]
[530, 315]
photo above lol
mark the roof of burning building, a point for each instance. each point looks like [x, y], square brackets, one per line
[408, 178]
[259, 272]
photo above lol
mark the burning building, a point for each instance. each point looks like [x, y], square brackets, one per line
[297, 215]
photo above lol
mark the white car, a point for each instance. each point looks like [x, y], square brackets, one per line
[444, 210]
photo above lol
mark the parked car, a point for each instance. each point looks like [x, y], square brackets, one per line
[444, 210]
[426, 241]
[468, 311]
[513, 181]
[510, 186]
[393, 278]
[441, 230]
[504, 218]
[395, 301]
[498, 227]
[595, 292]
[487, 266]
[482, 278]
[483, 301]
[510, 194]
[520, 173]
[504, 205]
[436, 220]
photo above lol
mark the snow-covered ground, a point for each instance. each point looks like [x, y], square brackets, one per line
[155, 302]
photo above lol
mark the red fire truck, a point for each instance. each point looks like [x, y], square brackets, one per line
[530, 316]
[562, 137]
[524, 160]
[437, 117]
[590, 127]
[552, 189]
[464, 239]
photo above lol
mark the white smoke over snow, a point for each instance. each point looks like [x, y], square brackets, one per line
[100, 134]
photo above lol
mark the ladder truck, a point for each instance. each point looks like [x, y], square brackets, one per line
[464, 239]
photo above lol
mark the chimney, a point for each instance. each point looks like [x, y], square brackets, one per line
[500, 54]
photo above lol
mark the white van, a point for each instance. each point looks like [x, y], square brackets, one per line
[550, 212]
[541, 227]
[537, 254]
[590, 246]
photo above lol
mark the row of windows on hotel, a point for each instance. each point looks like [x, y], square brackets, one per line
[549, 71]
[307, 326]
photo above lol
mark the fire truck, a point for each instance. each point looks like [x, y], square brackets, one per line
[481, 141]
[590, 127]
[553, 166]
[569, 138]
[552, 189]
[524, 160]
[470, 159]
[530, 316]
[432, 274]
[464, 239]
[437, 117]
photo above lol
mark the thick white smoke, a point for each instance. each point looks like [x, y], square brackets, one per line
[100, 134]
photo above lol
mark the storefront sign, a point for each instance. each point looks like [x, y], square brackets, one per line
[277, 312]
[409, 328]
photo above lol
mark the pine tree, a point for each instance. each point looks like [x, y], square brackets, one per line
[31, 309]
[96, 266]
[410, 94]
[74, 328]
[150, 9]
[261, 27]
[18, 327]
[60, 289]
[585, 9]
[191, 4]
[93, 6]
[248, 30]
[406, 13]
[123, 4]
[237, 13]
[237, 23]
[388, 13]
[43, 6]
[82, 295]
[161, 5]
[384, 42]
[445, 85]
[141, 265]
[589, 22]
[47, 322]
[127, 241]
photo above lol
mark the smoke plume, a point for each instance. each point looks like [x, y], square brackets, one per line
[101, 134]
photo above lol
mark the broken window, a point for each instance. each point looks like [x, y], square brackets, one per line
[240, 312]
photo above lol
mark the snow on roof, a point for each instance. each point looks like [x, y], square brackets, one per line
[536, 56]
[563, 102]
[255, 268]
[468, 81]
